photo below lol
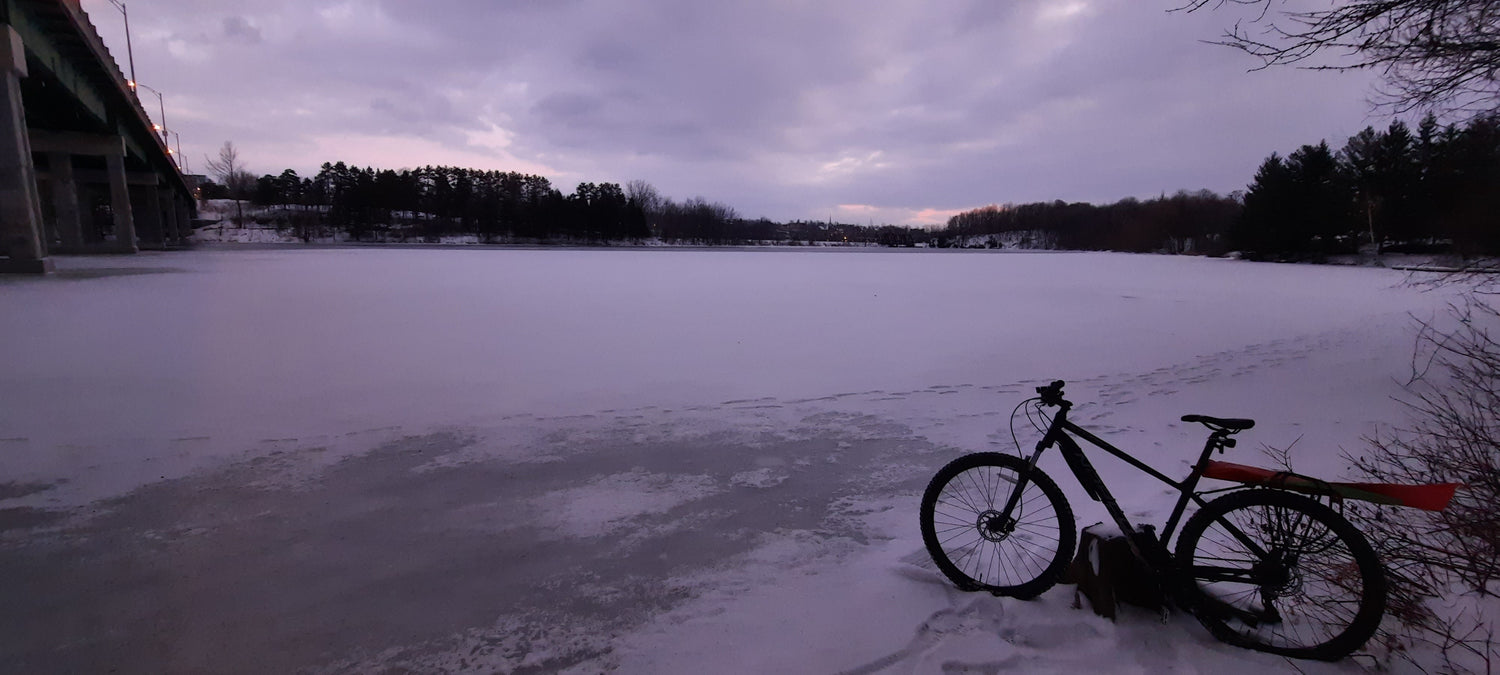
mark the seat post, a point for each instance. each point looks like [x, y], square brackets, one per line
[1214, 442]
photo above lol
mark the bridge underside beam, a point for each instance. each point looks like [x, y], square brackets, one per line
[73, 143]
[97, 176]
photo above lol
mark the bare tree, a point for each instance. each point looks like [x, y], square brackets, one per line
[650, 200]
[233, 176]
[1441, 55]
[645, 195]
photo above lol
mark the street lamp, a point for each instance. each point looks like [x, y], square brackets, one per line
[181, 161]
[162, 106]
[120, 5]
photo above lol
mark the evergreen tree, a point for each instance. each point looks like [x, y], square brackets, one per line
[1321, 201]
[1470, 213]
[1384, 173]
[1265, 225]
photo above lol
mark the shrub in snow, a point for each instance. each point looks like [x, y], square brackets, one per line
[1445, 566]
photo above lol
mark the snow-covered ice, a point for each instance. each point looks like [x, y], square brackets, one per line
[633, 460]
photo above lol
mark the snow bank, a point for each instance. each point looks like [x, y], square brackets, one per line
[229, 234]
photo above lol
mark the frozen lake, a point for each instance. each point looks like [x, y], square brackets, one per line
[643, 460]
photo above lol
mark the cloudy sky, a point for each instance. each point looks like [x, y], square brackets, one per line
[858, 110]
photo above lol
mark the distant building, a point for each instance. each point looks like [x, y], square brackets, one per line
[195, 181]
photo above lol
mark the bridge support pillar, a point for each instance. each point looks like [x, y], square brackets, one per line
[119, 204]
[65, 202]
[21, 239]
[169, 217]
[150, 227]
[184, 220]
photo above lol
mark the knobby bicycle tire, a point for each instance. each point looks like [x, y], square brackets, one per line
[1318, 592]
[962, 533]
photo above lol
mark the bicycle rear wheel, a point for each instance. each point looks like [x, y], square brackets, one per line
[1019, 556]
[1282, 573]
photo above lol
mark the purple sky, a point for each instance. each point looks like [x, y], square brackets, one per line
[860, 110]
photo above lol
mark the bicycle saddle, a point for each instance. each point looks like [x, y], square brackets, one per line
[1227, 423]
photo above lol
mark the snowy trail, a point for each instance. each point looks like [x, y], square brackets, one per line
[561, 505]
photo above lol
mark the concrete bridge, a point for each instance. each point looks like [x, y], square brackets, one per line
[82, 169]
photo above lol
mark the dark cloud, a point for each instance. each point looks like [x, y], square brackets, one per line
[787, 109]
[571, 109]
[239, 28]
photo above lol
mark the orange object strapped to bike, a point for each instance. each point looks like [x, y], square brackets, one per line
[1434, 497]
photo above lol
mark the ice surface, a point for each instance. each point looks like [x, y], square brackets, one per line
[653, 461]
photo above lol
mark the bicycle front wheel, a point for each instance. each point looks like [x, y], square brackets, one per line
[1018, 555]
[1282, 573]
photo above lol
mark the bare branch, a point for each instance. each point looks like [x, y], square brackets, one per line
[1440, 55]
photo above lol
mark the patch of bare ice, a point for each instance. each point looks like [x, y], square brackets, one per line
[590, 510]
[759, 478]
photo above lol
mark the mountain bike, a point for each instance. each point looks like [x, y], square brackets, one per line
[1261, 567]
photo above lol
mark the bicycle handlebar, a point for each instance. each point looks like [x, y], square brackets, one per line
[1052, 393]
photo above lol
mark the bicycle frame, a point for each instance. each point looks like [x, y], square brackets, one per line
[1083, 470]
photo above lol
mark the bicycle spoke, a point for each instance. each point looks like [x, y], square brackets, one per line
[972, 531]
[962, 497]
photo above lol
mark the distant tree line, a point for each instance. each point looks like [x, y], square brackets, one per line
[1435, 190]
[431, 202]
[1184, 222]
